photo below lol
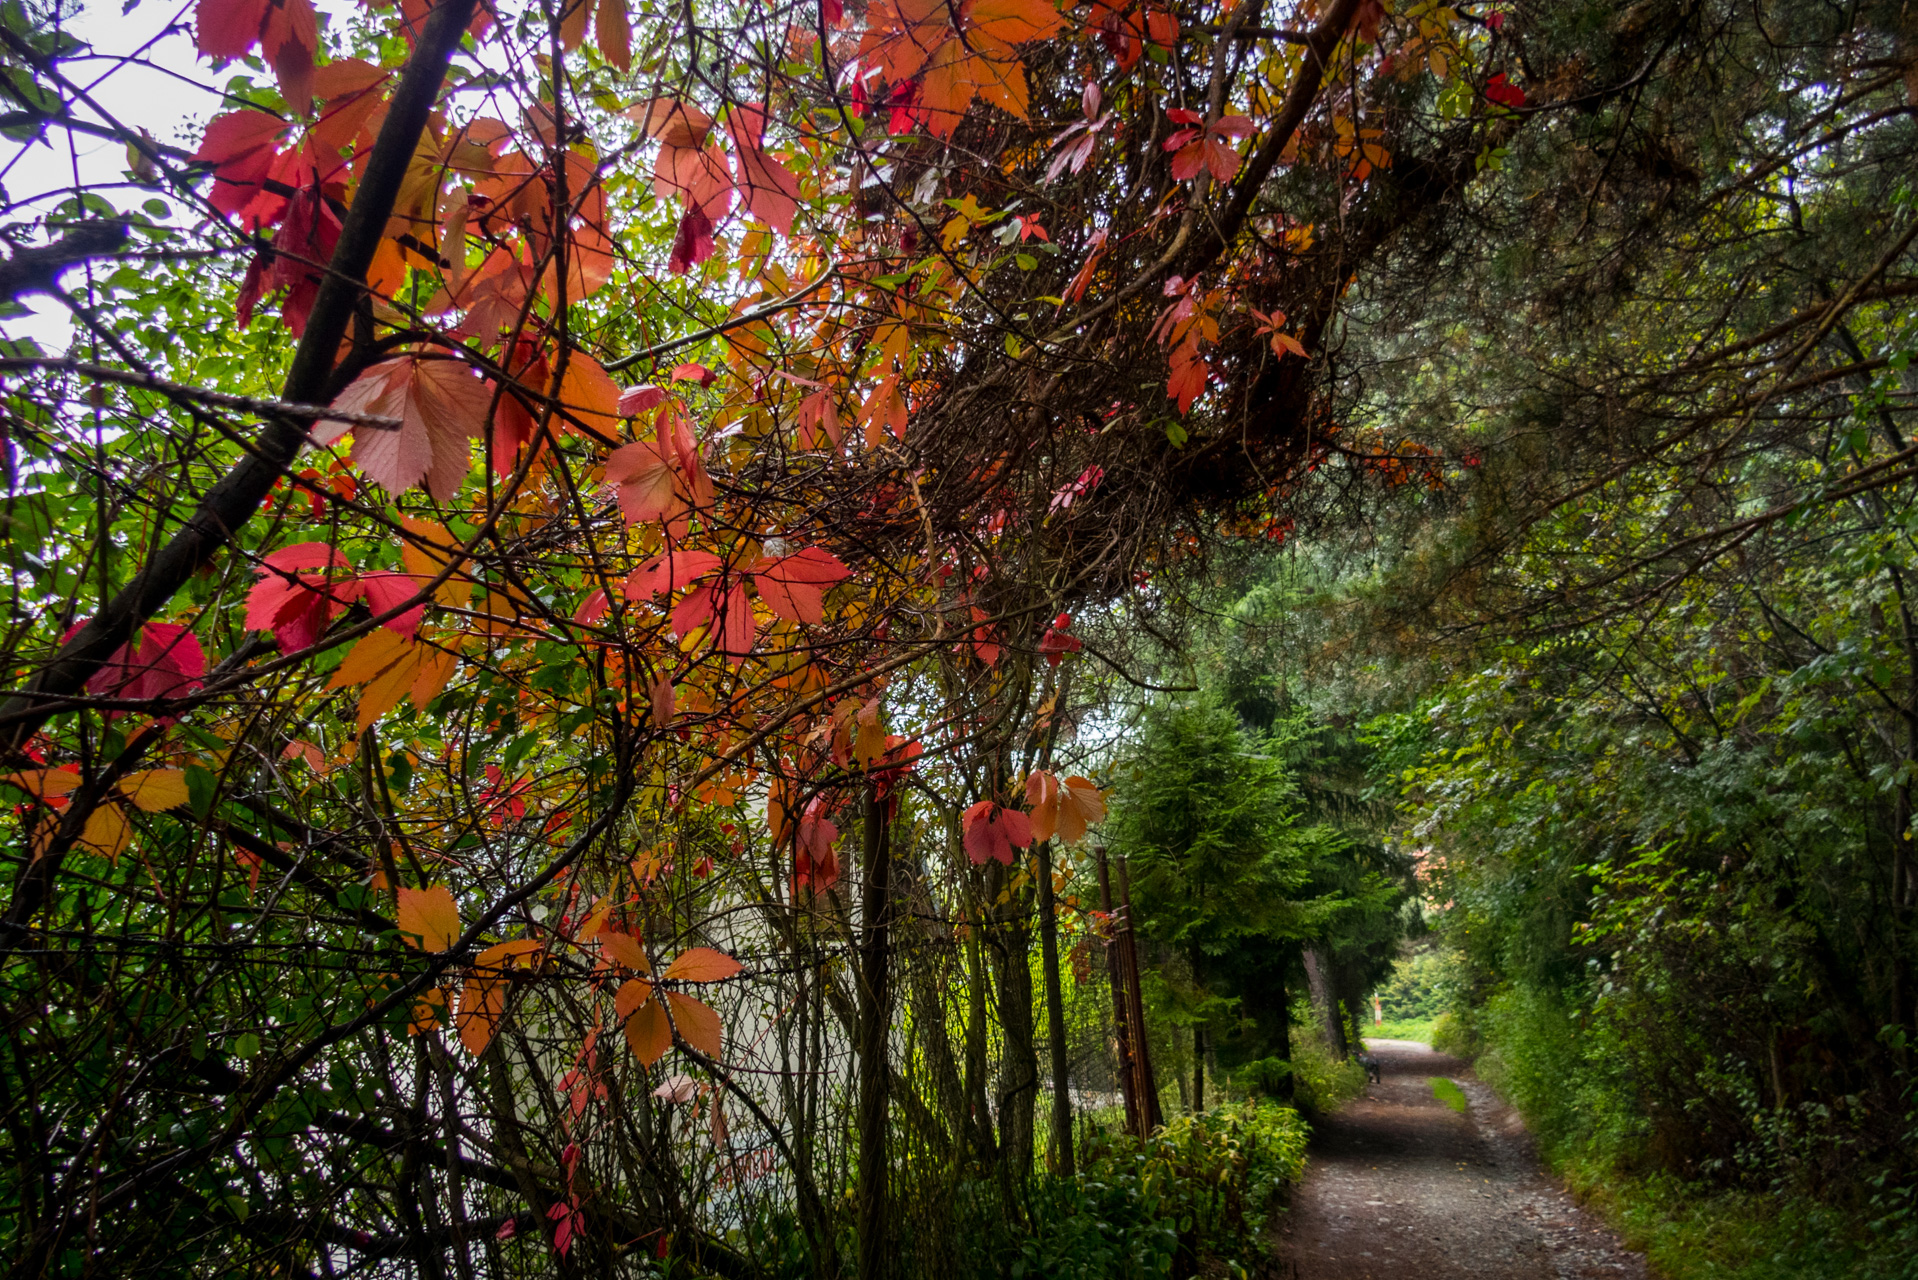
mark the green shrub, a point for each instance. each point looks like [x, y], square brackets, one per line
[1452, 1034]
[1421, 986]
[1419, 1029]
[1321, 1079]
[1191, 1199]
[1565, 1072]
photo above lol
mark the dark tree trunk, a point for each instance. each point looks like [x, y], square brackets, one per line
[1198, 1070]
[874, 1212]
[1121, 1006]
[1062, 1160]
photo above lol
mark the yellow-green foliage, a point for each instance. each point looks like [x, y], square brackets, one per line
[1321, 1079]
[1190, 1200]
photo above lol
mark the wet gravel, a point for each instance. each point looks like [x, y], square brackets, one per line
[1402, 1186]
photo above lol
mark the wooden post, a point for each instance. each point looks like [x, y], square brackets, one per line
[1062, 1154]
[1150, 1115]
[1121, 1005]
[874, 1025]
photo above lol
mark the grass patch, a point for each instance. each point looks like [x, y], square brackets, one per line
[1448, 1093]
[1692, 1233]
[1419, 1029]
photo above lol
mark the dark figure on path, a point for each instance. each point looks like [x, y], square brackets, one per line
[1371, 1065]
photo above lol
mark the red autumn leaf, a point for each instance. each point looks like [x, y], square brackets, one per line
[648, 1033]
[301, 252]
[387, 590]
[163, 661]
[815, 865]
[1056, 643]
[819, 420]
[1189, 374]
[291, 601]
[628, 950]
[241, 147]
[636, 400]
[1210, 147]
[690, 372]
[725, 606]
[1062, 807]
[993, 831]
[984, 639]
[670, 571]
[1502, 91]
[593, 609]
[227, 28]
[794, 586]
[661, 478]
[441, 407]
[288, 39]
[693, 244]
[632, 993]
[697, 1024]
[768, 187]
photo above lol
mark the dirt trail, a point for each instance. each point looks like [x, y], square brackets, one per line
[1401, 1187]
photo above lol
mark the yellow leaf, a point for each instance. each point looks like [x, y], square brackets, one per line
[107, 831]
[155, 790]
[427, 561]
[697, 1024]
[44, 782]
[499, 615]
[701, 964]
[522, 951]
[377, 650]
[431, 916]
[648, 1032]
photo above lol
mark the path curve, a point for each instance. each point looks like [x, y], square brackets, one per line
[1401, 1187]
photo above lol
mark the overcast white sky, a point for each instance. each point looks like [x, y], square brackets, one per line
[166, 92]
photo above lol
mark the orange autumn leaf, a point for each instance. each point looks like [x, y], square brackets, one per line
[632, 993]
[648, 1033]
[624, 948]
[701, 964]
[697, 1024]
[1062, 808]
[429, 918]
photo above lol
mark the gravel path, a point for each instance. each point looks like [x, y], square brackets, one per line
[1401, 1187]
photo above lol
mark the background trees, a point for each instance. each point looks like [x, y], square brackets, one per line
[542, 585]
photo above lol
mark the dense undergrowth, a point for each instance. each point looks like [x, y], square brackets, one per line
[1194, 1199]
[1567, 1076]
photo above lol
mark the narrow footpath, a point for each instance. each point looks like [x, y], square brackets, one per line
[1403, 1187]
